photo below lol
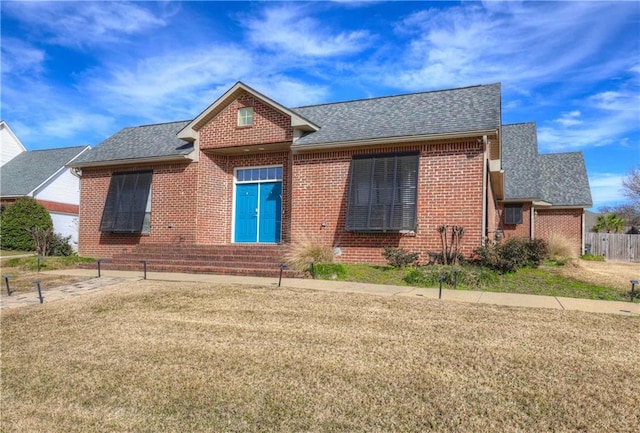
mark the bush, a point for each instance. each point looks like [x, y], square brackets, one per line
[17, 219]
[399, 257]
[306, 251]
[560, 249]
[60, 245]
[512, 254]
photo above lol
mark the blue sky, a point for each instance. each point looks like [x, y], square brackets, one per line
[76, 72]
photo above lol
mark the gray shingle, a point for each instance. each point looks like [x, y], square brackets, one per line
[440, 112]
[27, 171]
[148, 141]
[520, 162]
[559, 178]
[564, 179]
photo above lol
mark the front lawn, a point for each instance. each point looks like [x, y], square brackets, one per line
[184, 357]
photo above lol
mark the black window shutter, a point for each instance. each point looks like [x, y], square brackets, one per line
[126, 203]
[382, 193]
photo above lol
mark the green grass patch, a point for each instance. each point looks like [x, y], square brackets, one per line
[10, 253]
[545, 280]
[47, 263]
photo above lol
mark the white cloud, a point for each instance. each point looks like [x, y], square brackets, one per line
[526, 44]
[169, 86]
[20, 58]
[287, 28]
[569, 119]
[605, 118]
[77, 24]
[606, 189]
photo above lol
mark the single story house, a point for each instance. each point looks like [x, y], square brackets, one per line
[44, 176]
[356, 175]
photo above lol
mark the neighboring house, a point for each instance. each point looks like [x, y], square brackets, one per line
[11, 146]
[43, 175]
[544, 194]
[356, 175]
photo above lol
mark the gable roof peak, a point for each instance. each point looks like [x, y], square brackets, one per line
[189, 132]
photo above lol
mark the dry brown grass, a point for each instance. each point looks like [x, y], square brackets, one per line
[191, 357]
[613, 274]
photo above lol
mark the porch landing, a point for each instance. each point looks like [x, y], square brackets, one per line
[261, 260]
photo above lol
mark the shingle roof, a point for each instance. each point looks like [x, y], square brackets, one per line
[519, 161]
[564, 179]
[466, 109]
[27, 171]
[559, 178]
[148, 141]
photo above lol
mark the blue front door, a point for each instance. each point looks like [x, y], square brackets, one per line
[246, 212]
[258, 212]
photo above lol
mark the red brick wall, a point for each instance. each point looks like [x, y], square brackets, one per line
[449, 192]
[269, 126]
[215, 193]
[565, 222]
[173, 203]
[517, 230]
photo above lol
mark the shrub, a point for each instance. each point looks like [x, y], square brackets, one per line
[16, 221]
[512, 254]
[560, 248]
[306, 251]
[399, 257]
[60, 245]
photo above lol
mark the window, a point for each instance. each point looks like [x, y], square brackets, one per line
[259, 174]
[245, 116]
[128, 205]
[383, 193]
[513, 214]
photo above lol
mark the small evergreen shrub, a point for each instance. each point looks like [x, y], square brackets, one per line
[512, 254]
[399, 257]
[16, 221]
[60, 245]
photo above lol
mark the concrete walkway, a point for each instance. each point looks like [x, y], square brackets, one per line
[112, 278]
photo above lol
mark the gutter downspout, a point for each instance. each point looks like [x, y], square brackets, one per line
[582, 244]
[484, 191]
[533, 222]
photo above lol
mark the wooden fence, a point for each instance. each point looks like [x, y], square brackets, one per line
[614, 246]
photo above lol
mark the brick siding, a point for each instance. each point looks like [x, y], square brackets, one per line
[565, 222]
[449, 192]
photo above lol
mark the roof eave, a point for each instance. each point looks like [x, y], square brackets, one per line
[131, 161]
[384, 140]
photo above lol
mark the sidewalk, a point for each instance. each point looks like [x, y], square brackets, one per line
[111, 278]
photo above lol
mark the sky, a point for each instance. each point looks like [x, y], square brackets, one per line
[74, 73]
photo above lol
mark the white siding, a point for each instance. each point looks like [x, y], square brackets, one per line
[10, 146]
[64, 188]
[66, 225]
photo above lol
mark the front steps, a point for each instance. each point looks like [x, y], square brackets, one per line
[261, 260]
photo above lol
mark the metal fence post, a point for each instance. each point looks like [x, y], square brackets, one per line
[37, 282]
[6, 282]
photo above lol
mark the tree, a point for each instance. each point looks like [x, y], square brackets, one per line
[17, 222]
[629, 210]
[610, 223]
